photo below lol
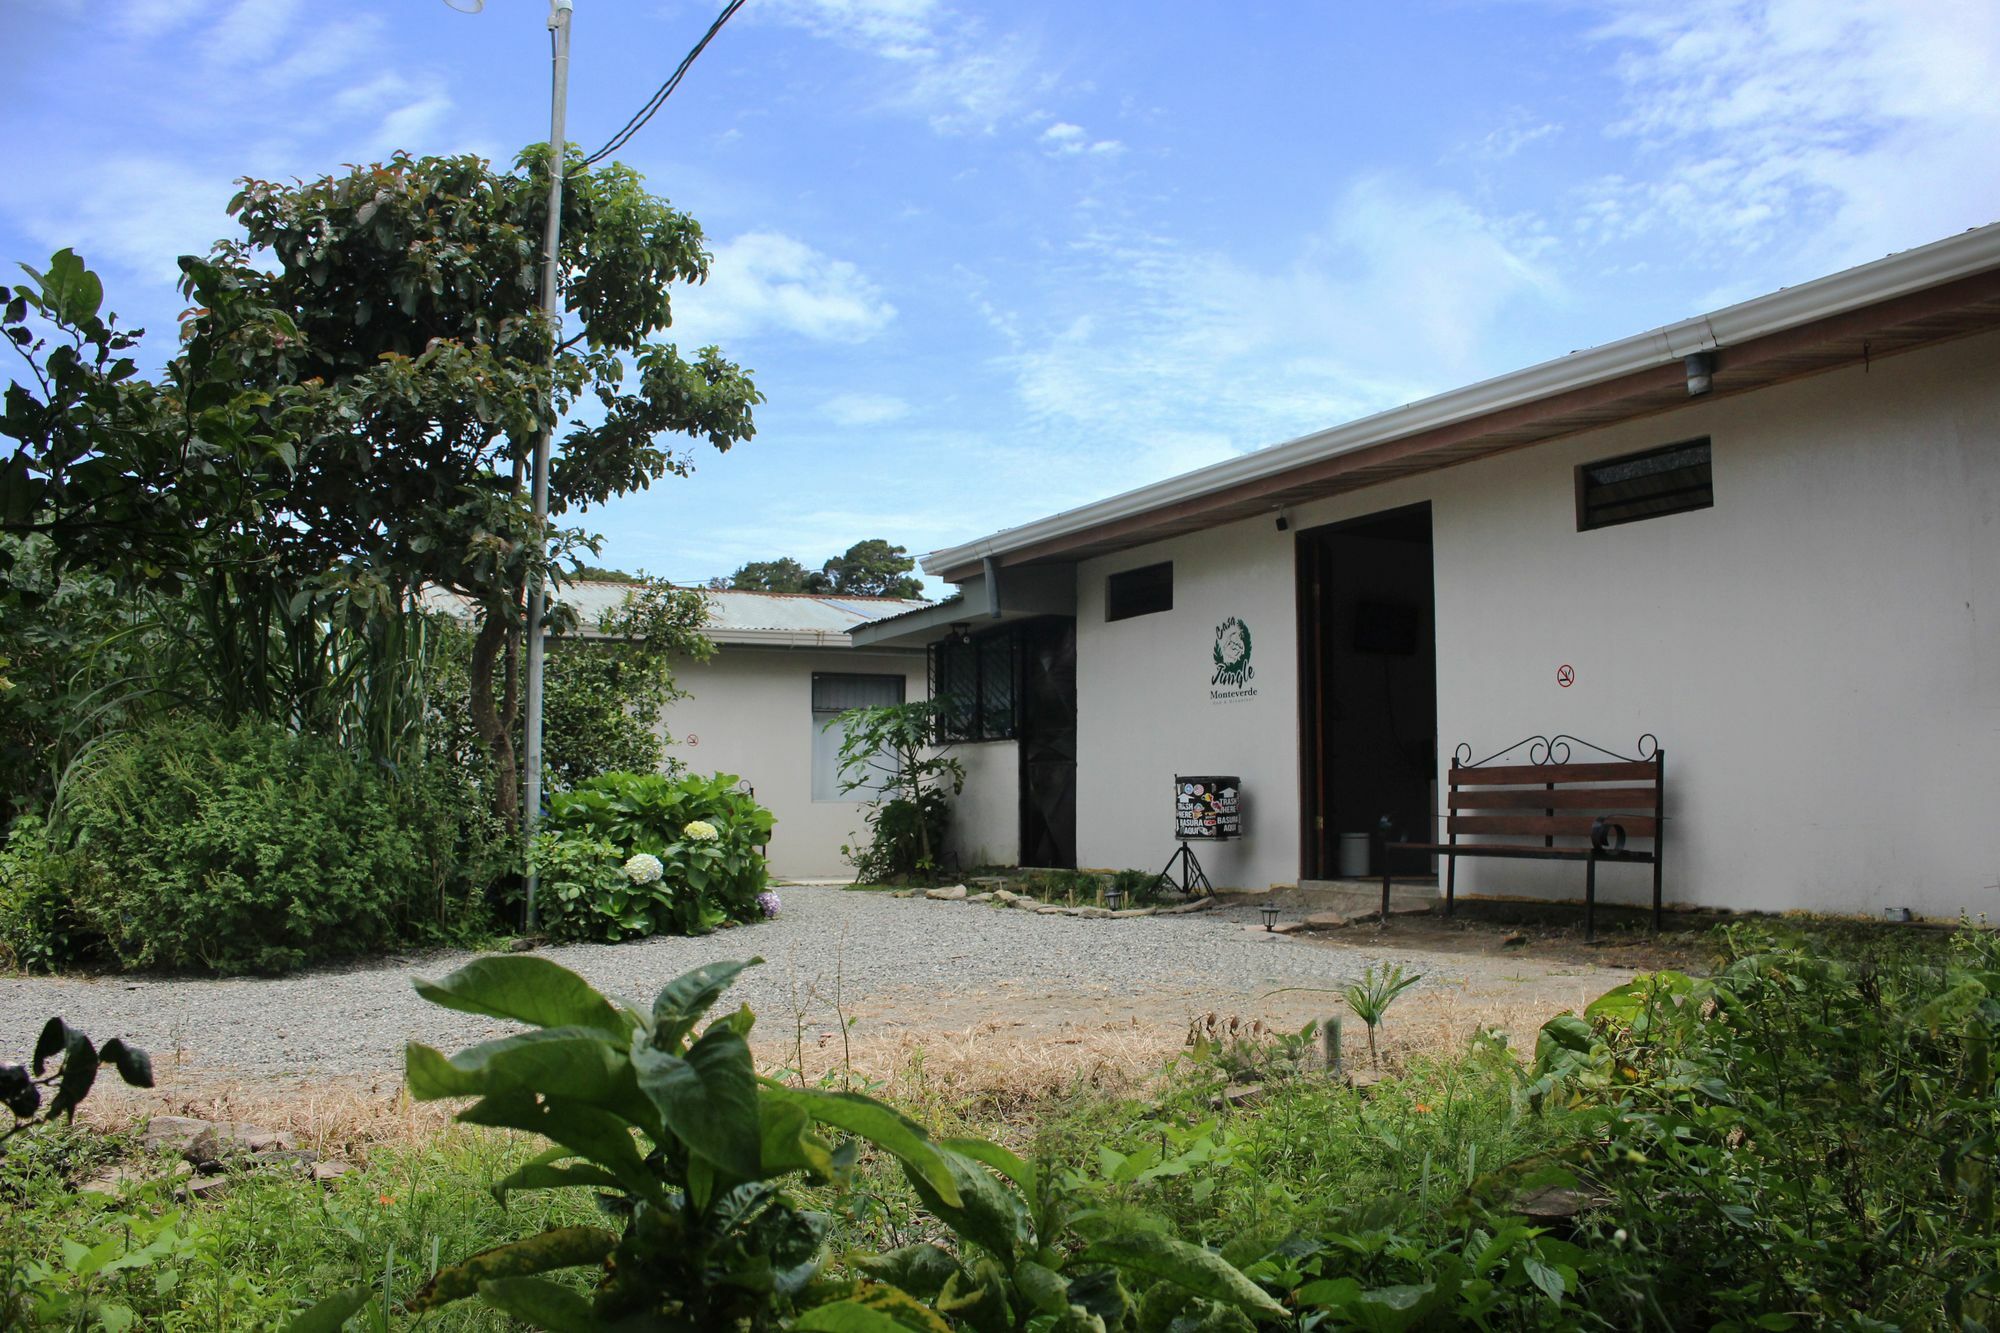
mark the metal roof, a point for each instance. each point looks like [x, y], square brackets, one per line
[779, 619]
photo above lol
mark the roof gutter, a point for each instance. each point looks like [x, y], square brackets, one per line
[1932, 265]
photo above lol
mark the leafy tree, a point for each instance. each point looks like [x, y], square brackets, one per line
[781, 575]
[874, 568]
[407, 294]
[871, 568]
[353, 412]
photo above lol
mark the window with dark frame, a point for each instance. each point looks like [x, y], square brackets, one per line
[1669, 480]
[834, 693]
[973, 682]
[1139, 592]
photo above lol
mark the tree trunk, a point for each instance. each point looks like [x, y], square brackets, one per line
[490, 717]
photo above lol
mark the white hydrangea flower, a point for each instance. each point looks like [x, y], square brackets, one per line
[699, 830]
[644, 868]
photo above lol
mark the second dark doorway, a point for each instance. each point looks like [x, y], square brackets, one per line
[1368, 681]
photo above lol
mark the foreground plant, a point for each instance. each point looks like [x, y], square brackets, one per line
[692, 1155]
[66, 1064]
[1371, 997]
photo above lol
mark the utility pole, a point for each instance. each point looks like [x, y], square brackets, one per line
[531, 807]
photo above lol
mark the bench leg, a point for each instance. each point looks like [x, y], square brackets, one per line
[1450, 882]
[1590, 901]
[1656, 891]
[1382, 922]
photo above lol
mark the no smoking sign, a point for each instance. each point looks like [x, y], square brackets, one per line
[1565, 675]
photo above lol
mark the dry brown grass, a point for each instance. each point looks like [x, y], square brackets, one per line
[993, 1072]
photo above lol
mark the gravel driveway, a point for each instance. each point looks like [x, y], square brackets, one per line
[901, 965]
[897, 962]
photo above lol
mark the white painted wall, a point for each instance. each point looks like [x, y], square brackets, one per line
[750, 713]
[986, 820]
[1819, 653]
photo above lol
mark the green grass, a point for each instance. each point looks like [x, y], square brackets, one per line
[270, 1243]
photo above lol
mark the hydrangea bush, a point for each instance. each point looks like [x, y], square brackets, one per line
[631, 854]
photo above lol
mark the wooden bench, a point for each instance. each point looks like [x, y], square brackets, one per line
[1586, 810]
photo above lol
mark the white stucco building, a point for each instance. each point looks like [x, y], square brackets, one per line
[784, 665]
[1768, 537]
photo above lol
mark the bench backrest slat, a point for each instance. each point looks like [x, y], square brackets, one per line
[1560, 798]
[1557, 826]
[1524, 775]
[1550, 801]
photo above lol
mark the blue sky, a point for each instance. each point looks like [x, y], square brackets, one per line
[994, 260]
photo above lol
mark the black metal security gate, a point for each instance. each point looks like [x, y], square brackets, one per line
[1048, 742]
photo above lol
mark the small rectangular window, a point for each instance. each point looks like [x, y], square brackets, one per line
[1670, 480]
[833, 693]
[1139, 592]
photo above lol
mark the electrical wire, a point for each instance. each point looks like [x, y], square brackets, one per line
[659, 98]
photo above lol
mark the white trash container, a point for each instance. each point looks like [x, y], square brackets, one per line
[1354, 856]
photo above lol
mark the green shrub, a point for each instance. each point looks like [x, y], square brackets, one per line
[255, 849]
[594, 830]
[39, 929]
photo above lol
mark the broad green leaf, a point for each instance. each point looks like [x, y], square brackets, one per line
[1330, 1293]
[787, 1142]
[57, 1036]
[874, 1308]
[79, 1072]
[708, 1099]
[1000, 1159]
[73, 290]
[570, 1062]
[883, 1126]
[527, 990]
[331, 1314]
[1200, 1271]
[550, 1171]
[1043, 1287]
[1547, 1278]
[682, 1001]
[541, 1304]
[598, 1136]
[1565, 1032]
[563, 1247]
[987, 1213]
[921, 1270]
[133, 1065]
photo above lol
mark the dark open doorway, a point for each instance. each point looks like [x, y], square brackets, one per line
[1048, 742]
[1368, 691]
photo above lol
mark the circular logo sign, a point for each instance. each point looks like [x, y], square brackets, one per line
[1232, 655]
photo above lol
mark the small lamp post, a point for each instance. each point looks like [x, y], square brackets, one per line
[1270, 912]
[1114, 897]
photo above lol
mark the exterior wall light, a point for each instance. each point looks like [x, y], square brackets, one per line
[1700, 373]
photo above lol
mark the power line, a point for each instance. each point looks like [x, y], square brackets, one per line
[659, 98]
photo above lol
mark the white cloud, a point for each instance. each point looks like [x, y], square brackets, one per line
[251, 31]
[1066, 140]
[183, 213]
[413, 125]
[864, 409]
[766, 282]
[1865, 125]
[1181, 358]
[949, 67]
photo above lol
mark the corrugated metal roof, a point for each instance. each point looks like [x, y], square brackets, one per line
[744, 617]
